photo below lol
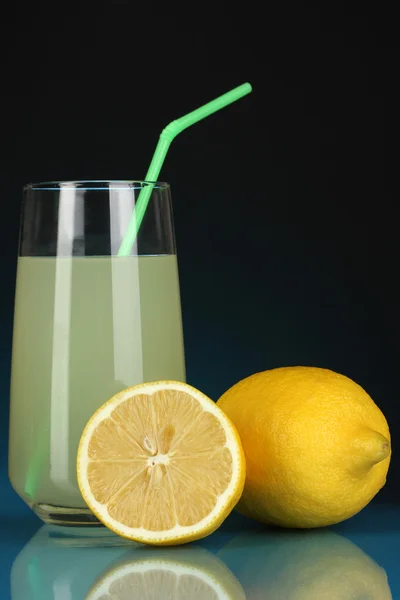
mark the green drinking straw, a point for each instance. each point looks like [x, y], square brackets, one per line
[166, 137]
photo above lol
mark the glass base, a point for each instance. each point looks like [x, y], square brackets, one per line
[62, 515]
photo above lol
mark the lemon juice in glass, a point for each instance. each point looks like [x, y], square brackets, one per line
[87, 324]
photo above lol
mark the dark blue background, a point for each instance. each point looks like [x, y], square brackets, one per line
[284, 203]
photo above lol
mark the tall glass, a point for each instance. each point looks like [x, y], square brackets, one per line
[87, 324]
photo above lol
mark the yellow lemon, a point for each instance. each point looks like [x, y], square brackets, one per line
[317, 447]
[161, 464]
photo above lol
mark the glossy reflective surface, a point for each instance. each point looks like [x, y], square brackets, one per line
[355, 560]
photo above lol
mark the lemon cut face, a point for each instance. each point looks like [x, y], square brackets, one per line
[160, 463]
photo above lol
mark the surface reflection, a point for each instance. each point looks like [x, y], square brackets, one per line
[98, 565]
[304, 565]
[177, 573]
[61, 563]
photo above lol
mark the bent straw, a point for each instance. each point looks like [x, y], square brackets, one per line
[166, 137]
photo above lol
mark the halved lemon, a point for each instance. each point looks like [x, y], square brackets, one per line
[160, 463]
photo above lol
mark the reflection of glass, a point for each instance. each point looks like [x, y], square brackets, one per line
[304, 565]
[87, 325]
[55, 565]
[185, 573]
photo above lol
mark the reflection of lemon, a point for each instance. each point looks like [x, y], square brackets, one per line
[317, 447]
[191, 573]
[304, 565]
[160, 463]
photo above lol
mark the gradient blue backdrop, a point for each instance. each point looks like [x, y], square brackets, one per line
[284, 203]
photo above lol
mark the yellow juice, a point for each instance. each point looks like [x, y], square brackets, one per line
[84, 329]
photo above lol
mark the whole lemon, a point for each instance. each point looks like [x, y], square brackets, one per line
[317, 447]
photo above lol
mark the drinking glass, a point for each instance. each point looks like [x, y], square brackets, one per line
[87, 324]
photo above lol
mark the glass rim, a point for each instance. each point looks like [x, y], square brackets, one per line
[95, 184]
